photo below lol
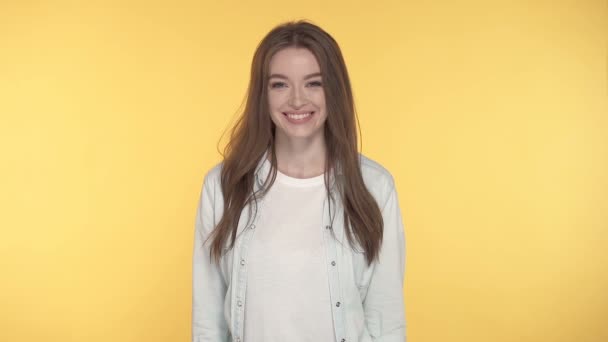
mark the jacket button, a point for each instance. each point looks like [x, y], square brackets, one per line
[239, 303]
[243, 262]
[343, 340]
[333, 263]
[252, 226]
[327, 227]
[338, 304]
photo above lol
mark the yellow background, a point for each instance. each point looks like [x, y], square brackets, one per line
[491, 115]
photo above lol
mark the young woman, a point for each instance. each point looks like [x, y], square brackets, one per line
[298, 236]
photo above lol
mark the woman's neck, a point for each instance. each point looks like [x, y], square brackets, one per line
[301, 160]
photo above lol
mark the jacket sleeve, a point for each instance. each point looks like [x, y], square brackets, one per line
[384, 305]
[208, 286]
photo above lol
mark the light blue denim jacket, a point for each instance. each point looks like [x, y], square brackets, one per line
[367, 301]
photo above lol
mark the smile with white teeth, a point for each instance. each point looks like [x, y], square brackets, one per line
[298, 116]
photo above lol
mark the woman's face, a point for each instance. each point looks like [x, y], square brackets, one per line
[295, 95]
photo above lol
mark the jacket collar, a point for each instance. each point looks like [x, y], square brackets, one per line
[263, 169]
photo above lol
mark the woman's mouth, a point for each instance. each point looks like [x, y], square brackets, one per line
[298, 118]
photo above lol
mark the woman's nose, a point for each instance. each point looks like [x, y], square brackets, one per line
[297, 97]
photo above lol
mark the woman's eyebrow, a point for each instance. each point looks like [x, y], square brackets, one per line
[285, 77]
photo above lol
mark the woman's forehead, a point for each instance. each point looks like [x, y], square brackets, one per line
[294, 61]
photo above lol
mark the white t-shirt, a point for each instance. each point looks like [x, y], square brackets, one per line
[287, 287]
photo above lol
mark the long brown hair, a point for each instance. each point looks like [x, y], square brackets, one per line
[253, 135]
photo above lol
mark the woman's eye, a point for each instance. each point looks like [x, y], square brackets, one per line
[276, 84]
[282, 84]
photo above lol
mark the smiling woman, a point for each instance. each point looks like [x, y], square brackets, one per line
[298, 236]
[297, 101]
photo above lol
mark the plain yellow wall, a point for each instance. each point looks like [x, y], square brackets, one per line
[491, 115]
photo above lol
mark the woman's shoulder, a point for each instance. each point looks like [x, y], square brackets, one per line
[374, 173]
[377, 178]
[213, 174]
